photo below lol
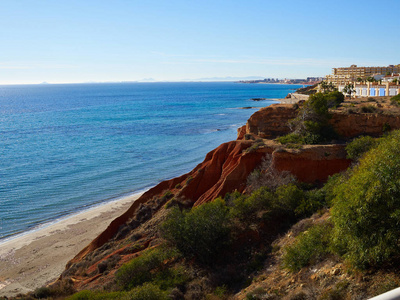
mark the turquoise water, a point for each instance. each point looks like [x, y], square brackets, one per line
[64, 148]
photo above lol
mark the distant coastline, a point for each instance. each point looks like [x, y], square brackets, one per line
[307, 81]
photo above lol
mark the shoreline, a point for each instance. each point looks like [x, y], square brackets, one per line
[33, 259]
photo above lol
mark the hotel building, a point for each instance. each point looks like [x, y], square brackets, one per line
[342, 76]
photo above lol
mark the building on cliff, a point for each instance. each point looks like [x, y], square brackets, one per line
[342, 76]
[370, 89]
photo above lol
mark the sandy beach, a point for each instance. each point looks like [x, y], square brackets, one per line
[39, 257]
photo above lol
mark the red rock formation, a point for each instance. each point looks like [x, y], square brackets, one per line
[312, 163]
[241, 132]
[223, 170]
[272, 121]
[352, 125]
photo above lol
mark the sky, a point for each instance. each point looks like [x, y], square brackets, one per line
[174, 40]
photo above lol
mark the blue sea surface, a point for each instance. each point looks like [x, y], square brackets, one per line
[67, 147]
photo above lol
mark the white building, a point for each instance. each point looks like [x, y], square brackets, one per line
[373, 89]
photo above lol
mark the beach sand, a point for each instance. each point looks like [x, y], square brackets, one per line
[39, 257]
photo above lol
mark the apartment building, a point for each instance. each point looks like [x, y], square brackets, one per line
[342, 76]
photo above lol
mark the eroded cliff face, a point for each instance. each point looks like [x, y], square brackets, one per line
[223, 170]
[272, 121]
[373, 124]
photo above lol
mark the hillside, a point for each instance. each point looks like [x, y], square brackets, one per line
[177, 242]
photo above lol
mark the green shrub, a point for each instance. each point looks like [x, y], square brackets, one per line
[311, 202]
[283, 202]
[203, 231]
[334, 99]
[254, 147]
[309, 247]
[90, 295]
[395, 100]
[170, 277]
[357, 147]
[188, 180]
[147, 291]
[330, 186]
[143, 268]
[386, 127]
[311, 125]
[288, 198]
[245, 208]
[366, 209]
[291, 138]
[368, 109]
[42, 293]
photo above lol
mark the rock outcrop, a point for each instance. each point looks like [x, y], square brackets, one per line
[225, 170]
[272, 121]
[352, 125]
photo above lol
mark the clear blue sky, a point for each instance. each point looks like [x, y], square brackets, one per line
[127, 40]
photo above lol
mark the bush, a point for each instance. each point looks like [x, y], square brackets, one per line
[245, 208]
[90, 295]
[311, 202]
[311, 123]
[143, 268]
[203, 232]
[291, 138]
[334, 99]
[309, 247]
[368, 109]
[147, 291]
[395, 100]
[366, 209]
[42, 293]
[357, 147]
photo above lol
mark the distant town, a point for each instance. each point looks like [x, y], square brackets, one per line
[308, 80]
[353, 80]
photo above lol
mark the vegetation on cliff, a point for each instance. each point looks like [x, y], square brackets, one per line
[311, 126]
[278, 240]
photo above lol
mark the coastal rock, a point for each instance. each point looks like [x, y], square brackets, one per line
[223, 170]
[312, 164]
[352, 125]
[241, 131]
[272, 121]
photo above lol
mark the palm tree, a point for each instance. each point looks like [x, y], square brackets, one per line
[349, 89]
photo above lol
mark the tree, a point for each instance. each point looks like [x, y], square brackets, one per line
[311, 122]
[349, 89]
[327, 87]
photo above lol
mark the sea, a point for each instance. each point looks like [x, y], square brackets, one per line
[67, 147]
